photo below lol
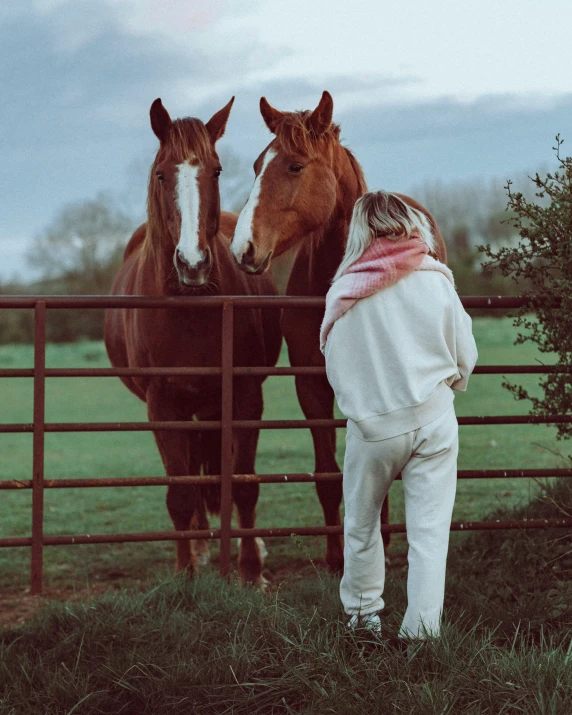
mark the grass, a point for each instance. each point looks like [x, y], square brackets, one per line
[205, 646]
[164, 644]
[135, 454]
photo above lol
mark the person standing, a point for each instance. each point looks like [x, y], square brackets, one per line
[397, 343]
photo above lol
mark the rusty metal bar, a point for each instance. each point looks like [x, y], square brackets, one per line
[17, 372]
[16, 541]
[216, 301]
[306, 477]
[261, 424]
[514, 420]
[114, 426]
[520, 369]
[60, 302]
[255, 371]
[68, 540]
[227, 338]
[38, 447]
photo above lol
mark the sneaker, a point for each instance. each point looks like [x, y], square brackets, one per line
[369, 622]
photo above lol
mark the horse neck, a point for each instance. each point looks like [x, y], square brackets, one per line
[321, 253]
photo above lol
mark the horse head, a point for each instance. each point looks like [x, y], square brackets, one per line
[183, 200]
[299, 184]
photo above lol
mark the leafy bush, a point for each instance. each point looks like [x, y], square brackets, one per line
[543, 258]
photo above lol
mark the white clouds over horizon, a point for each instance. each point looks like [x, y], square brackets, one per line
[452, 89]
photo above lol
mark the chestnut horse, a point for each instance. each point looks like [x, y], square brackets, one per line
[305, 188]
[183, 250]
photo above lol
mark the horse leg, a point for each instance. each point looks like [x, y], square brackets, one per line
[248, 403]
[179, 452]
[200, 547]
[317, 402]
[211, 464]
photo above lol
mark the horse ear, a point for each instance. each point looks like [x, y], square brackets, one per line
[217, 123]
[270, 115]
[160, 120]
[321, 117]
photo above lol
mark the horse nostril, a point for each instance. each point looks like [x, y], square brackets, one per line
[248, 255]
[181, 262]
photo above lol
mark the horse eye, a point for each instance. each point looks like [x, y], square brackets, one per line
[160, 176]
[217, 172]
[295, 168]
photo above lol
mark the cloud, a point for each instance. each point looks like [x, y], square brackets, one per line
[78, 80]
[74, 111]
[400, 145]
[405, 142]
[173, 18]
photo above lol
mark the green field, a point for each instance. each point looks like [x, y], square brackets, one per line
[134, 454]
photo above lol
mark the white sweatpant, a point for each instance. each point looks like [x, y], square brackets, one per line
[427, 460]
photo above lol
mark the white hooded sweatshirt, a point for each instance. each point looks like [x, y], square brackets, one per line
[394, 358]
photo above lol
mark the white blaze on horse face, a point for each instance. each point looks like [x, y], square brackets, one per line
[243, 232]
[188, 202]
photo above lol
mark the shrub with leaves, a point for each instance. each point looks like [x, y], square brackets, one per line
[542, 260]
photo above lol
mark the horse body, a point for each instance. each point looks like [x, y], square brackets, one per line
[180, 337]
[307, 185]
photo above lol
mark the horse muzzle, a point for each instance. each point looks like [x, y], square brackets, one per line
[247, 263]
[193, 276]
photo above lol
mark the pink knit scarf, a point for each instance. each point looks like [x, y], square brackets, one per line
[381, 265]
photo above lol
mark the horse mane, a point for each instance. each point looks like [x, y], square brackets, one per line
[356, 166]
[294, 134]
[188, 138]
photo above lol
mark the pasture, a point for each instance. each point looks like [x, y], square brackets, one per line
[152, 643]
[106, 510]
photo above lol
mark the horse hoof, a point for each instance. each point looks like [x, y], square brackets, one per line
[260, 583]
[203, 559]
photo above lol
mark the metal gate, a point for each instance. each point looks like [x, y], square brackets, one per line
[37, 540]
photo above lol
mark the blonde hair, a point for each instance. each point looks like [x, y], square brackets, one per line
[380, 214]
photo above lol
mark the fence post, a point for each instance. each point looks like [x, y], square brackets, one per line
[38, 447]
[226, 436]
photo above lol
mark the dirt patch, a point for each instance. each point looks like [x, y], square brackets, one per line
[17, 607]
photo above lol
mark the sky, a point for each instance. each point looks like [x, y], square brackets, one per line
[423, 91]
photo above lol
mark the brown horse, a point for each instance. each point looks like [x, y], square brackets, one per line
[183, 249]
[305, 188]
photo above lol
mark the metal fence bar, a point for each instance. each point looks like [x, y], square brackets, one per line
[38, 447]
[306, 477]
[261, 424]
[227, 338]
[255, 371]
[60, 302]
[286, 531]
